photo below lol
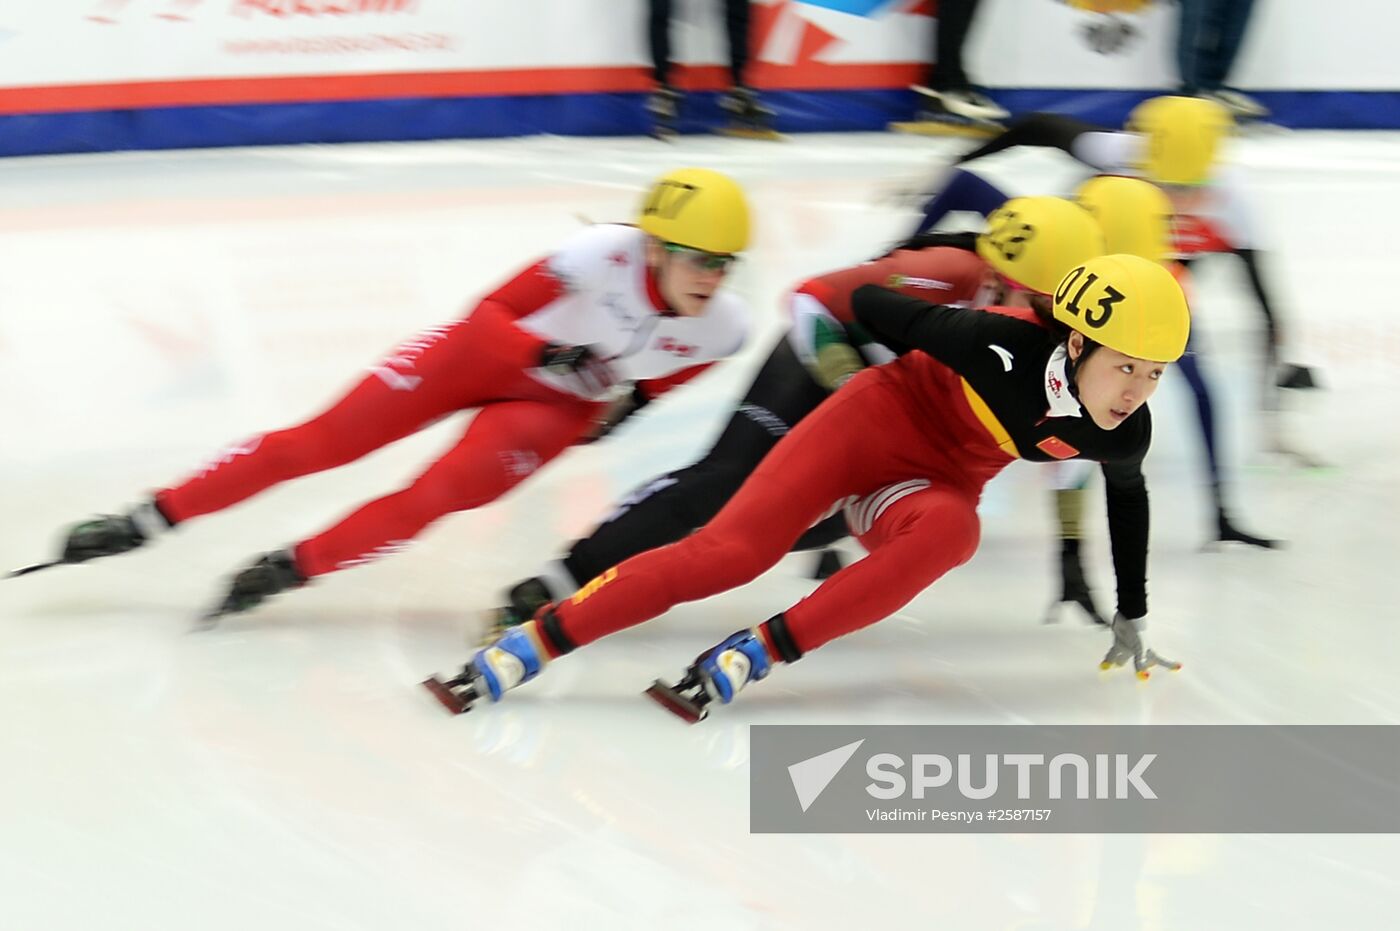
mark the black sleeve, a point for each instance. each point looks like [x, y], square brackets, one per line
[1054, 130]
[1128, 521]
[1256, 281]
[904, 323]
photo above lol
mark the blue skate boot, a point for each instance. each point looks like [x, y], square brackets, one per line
[516, 657]
[716, 675]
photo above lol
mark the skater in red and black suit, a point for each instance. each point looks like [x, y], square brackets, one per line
[821, 351]
[544, 358]
[907, 447]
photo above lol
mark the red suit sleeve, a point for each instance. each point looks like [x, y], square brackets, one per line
[494, 318]
[939, 275]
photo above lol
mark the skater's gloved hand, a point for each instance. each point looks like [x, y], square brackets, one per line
[835, 359]
[837, 363]
[614, 414]
[1128, 644]
[580, 362]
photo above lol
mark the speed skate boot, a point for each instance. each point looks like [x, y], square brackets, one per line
[1074, 587]
[514, 659]
[664, 107]
[105, 535]
[270, 575]
[716, 675]
[111, 534]
[962, 112]
[1242, 107]
[523, 601]
[748, 118]
[1227, 532]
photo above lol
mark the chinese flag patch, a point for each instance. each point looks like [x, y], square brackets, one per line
[1057, 447]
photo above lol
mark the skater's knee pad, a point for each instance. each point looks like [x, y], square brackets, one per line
[1069, 510]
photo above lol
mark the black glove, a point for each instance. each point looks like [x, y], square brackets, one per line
[613, 415]
[592, 373]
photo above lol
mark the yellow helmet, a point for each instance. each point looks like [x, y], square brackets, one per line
[698, 208]
[1109, 6]
[1135, 215]
[1182, 136]
[1127, 303]
[1034, 240]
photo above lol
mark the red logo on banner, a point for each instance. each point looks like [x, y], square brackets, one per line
[322, 7]
[791, 49]
[107, 11]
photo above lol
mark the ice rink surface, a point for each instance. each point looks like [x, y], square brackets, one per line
[285, 771]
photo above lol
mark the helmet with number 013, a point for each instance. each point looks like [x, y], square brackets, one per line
[698, 208]
[1135, 215]
[1182, 137]
[1127, 303]
[1033, 241]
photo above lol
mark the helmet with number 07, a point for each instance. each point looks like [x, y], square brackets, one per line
[698, 208]
[1127, 303]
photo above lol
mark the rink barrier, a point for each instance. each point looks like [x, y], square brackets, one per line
[44, 125]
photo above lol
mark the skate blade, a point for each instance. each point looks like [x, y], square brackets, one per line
[1089, 614]
[1059, 609]
[208, 620]
[682, 707]
[1220, 544]
[742, 132]
[445, 696]
[938, 128]
[26, 570]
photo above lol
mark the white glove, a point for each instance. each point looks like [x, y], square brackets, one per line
[1127, 644]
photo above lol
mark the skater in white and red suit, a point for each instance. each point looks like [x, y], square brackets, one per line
[614, 318]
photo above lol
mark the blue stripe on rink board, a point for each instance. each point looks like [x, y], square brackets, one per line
[410, 119]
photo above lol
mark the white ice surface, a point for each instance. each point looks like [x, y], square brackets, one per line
[285, 771]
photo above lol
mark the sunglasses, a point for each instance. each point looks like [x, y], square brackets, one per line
[702, 260]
